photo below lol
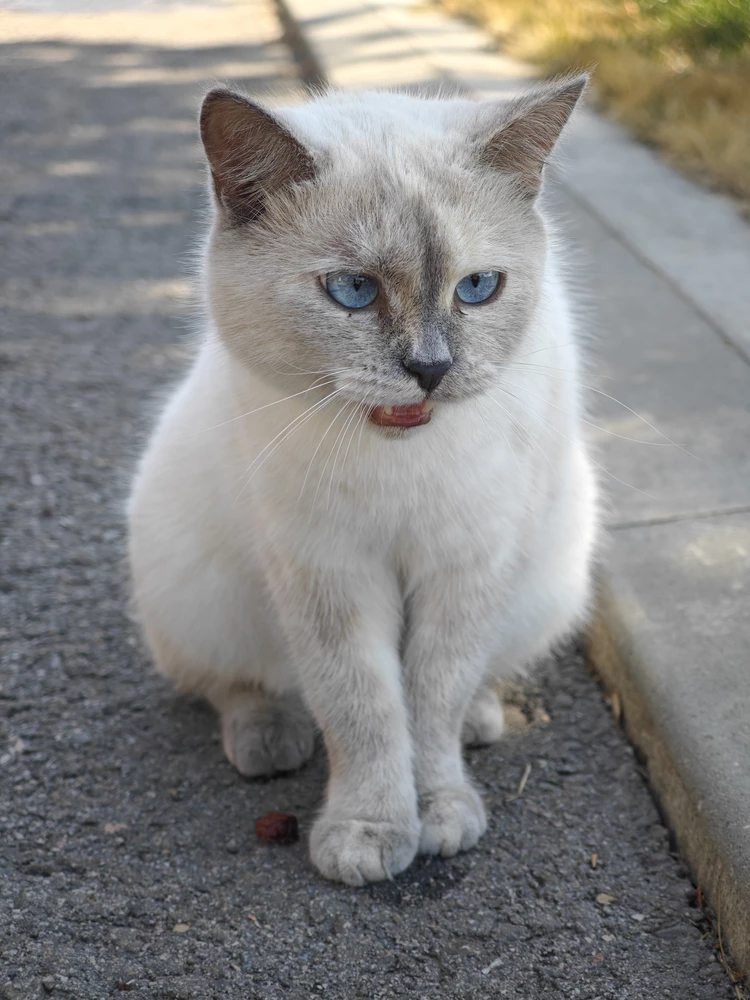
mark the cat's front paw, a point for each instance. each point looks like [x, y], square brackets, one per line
[357, 851]
[453, 820]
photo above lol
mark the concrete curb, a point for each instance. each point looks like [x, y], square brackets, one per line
[673, 628]
[719, 865]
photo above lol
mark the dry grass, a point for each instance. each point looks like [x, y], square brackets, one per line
[677, 72]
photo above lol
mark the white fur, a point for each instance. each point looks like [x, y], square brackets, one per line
[383, 593]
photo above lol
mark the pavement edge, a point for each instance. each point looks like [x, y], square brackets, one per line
[611, 648]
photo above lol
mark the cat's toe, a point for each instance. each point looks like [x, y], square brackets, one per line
[358, 851]
[484, 722]
[263, 737]
[453, 820]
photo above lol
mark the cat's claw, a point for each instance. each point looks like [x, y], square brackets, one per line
[453, 820]
[357, 851]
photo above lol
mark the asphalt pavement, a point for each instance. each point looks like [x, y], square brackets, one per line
[128, 859]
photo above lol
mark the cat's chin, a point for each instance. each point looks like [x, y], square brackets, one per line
[411, 415]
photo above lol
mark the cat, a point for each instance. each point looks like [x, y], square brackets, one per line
[370, 497]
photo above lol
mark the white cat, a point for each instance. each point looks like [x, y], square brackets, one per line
[370, 496]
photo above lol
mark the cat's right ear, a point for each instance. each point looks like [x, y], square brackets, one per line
[250, 153]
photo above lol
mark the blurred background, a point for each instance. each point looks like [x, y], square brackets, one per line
[676, 72]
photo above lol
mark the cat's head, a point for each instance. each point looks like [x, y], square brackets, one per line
[389, 246]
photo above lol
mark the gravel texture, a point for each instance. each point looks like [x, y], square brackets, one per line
[128, 859]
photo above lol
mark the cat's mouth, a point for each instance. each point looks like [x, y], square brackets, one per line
[411, 415]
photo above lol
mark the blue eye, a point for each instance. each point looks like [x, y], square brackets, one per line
[354, 291]
[478, 287]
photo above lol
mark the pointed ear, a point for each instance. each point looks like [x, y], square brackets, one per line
[529, 129]
[250, 153]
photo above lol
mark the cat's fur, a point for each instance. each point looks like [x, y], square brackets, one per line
[300, 566]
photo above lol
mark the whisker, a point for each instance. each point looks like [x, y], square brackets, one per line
[342, 434]
[315, 406]
[521, 473]
[328, 459]
[318, 384]
[625, 406]
[287, 431]
[294, 370]
[534, 366]
[550, 347]
[605, 430]
[570, 441]
[312, 459]
[535, 443]
[364, 416]
[367, 405]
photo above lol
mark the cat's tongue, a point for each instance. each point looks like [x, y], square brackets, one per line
[412, 415]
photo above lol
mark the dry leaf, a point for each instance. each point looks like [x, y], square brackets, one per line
[616, 706]
[605, 899]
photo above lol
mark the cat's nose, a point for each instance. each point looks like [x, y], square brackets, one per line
[428, 373]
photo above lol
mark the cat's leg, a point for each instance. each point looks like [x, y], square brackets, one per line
[343, 629]
[445, 658]
[484, 722]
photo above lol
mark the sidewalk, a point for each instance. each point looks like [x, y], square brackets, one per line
[128, 861]
[665, 267]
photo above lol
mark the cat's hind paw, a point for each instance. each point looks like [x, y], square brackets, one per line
[484, 721]
[263, 735]
[357, 851]
[453, 820]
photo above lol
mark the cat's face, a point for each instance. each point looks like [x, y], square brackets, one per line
[386, 245]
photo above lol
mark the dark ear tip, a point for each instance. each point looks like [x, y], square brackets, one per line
[576, 84]
[215, 96]
[209, 103]
[219, 94]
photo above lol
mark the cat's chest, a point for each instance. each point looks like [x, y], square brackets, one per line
[447, 497]
[448, 489]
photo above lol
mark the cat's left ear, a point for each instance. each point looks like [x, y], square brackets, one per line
[251, 154]
[528, 129]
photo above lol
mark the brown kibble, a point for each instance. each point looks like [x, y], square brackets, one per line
[277, 828]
